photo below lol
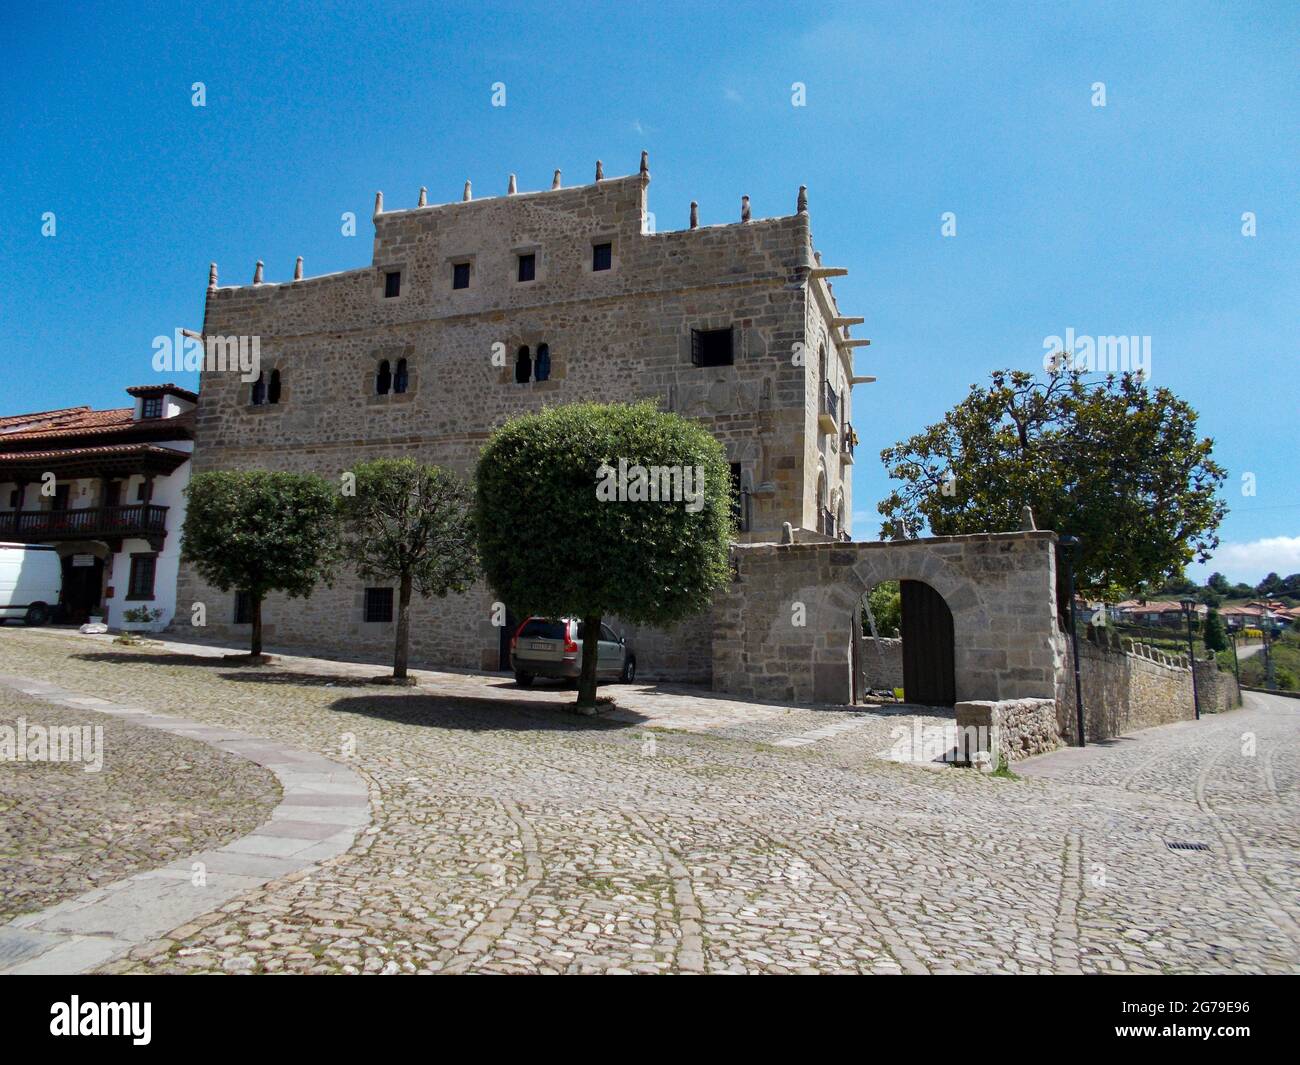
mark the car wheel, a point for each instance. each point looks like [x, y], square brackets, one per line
[629, 670]
[524, 680]
[38, 614]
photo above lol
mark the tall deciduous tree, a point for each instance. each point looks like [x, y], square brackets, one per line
[554, 543]
[259, 532]
[409, 524]
[1114, 462]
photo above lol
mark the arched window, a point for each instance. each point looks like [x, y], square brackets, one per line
[400, 377]
[821, 362]
[523, 366]
[273, 389]
[823, 502]
[542, 368]
[258, 395]
[383, 379]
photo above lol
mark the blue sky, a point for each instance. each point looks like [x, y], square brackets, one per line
[1115, 220]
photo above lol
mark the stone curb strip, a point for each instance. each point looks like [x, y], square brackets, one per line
[324, 806]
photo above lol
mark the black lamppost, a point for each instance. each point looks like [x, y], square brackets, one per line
[1189, 605]
[1068, 544]
[1236, 662]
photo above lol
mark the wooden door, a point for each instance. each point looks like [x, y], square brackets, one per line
[928, 670]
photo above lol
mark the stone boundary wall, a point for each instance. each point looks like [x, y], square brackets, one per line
[1218, 688]
[784, 626]
[1123, 691]
[880, 662]
[1009, 729]
[1271, 691]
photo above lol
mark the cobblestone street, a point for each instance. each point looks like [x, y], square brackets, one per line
[691, 834]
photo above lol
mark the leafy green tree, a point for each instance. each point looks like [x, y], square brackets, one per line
[1242, 591]
[1269, 586]
[552, 547]
[259, 532]
[886, 603]
[1114, 462]
[1215, 635]
[1219, 583]
[409, 524]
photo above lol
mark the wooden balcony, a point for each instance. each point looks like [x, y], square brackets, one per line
[114, 524]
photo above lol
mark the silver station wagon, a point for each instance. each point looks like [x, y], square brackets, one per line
[552, 647]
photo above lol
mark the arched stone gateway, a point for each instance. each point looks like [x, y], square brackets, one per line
[783, 628]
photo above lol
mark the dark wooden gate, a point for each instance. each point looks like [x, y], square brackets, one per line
[928, 673]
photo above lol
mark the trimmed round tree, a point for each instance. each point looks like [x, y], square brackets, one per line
[259, 532]
[410, 524]
[589, 510]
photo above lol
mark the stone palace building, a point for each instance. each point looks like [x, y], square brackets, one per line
[475, 311]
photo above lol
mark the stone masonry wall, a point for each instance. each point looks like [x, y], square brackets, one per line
[1218, 688]
[783, 629]
[1122, 692]
[622, 334]
[881, 663]
[1009, 730]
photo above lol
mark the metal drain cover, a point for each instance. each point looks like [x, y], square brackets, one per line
[1181, 846]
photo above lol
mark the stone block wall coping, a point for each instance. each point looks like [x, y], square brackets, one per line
[967, 538]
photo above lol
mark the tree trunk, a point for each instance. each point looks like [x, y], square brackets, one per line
[590, 649]
[401, 646]
[257, 625]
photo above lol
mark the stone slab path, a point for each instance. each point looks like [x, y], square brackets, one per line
[324, 805]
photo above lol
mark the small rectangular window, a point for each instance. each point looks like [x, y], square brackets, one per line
[243, 608]
[712, 347]
[151, 407]
[392, 284]
[460, 275]
[602, 256]
[140, 583]
[527, 267]
[379, 604]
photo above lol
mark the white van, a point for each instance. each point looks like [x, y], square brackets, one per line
[31, 578]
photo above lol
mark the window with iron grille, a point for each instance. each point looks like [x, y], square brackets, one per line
[392, 284]
[602, 256]
[712, 347]
[401, 377]
[151, 407]
[527, 267]
[243, 608]
[273, 389]
[140, 583]
[379, 604]
[460, 275]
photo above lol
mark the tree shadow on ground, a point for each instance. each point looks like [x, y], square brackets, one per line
[464, 714]
[161, 658]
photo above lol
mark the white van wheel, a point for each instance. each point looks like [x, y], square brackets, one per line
[38, 614]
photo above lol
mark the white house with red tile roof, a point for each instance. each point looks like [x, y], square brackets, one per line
[1155, 612]
[105, 488]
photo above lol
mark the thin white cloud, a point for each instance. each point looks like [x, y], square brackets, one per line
[731, 95]
[1252, 561]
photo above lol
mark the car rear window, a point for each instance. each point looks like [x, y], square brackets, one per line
[541, 629]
